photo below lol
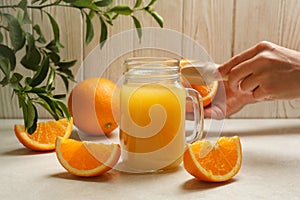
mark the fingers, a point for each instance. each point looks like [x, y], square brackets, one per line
[244, 56]
[239, 73]
[250, 83]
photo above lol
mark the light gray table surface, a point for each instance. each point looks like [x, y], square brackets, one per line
[270, 170]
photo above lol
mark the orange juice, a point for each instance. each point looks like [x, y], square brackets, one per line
[152, 128]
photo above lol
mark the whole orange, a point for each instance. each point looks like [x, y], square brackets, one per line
[93, 103]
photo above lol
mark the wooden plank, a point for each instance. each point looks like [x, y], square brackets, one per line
[255, 21]
[209, 23]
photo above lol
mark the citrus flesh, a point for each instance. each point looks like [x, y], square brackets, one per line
[207, 92]
[214, 162]
[86, 159]
[43, 139]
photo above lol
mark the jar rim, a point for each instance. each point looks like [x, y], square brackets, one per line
[156, 61]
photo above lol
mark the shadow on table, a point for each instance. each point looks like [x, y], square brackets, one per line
[197, 185]
[106, 177]
[255, 130]
[271, 130]
[23, 152]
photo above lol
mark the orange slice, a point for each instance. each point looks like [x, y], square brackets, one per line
[86, 159]
[214, 162]
[43, 139]
[207, 92]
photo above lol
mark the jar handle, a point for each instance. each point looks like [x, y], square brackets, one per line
[198, 115]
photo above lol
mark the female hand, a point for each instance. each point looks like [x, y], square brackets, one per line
[266, 71]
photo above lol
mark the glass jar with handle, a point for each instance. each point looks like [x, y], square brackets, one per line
[152, 117]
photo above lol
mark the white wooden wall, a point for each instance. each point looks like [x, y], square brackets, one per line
[223, 27]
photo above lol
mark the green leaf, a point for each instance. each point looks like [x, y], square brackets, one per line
[66, 64]
[59, 96]
[108, 18]
[50, 78]
[1, 37]
[103, 3]
[22, 4]
[20, 99]
[69, 1]
[137, 26]
[104, 33]
[27, 82]
[46, 106]
[84, 4]
[115, 17]
[58, 110]
[15, 78]
[55, 28]
[38, 90]
[65, 80]
[32, 58]
[41, 39]
[151, 3]
[4, 81]
[52, 46]
[49, 105]
[67, 72]
[34, 1]
[89, 30]
[54, 57]
[25, 18]
[33, 127]
[5, 66]
[20, 17]
[122, 10]
[157, 18]
[41, 74]
[64, 108]
[23, 105]
[8, 53]
[16, 34]
[138, 3]
[31, 114]
[30, 41]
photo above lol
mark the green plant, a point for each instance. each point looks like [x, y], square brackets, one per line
[42, 56]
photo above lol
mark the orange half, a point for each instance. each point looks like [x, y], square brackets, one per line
[43, 139]
[86, 159]
[214, 162]
[207, 92]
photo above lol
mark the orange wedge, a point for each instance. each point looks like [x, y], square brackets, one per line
[86, 159]
[214, 162]
[43, 139]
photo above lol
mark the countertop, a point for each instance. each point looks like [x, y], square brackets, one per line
[270, 170]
